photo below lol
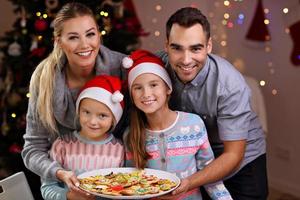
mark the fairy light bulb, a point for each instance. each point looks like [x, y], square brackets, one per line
[226, 3]
[13, 115]
[262, 83]
[28, 95]
[158, 7]
[157, 33]
[285, 10]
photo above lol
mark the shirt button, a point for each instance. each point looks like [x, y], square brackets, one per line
[163, 160]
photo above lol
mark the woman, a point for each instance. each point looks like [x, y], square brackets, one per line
[76, 58]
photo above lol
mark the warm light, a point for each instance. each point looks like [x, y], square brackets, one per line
[45, 16]
[40, 37]
[226, 3]
[270, 64]
[13, 115]
[267, 49]
[38, 14]
[28, 95]
[223, 43]
[158, 7]
[266, 10]
[226, 16]
[262, 83]
[274, 92]
[287, 30]
[156, 33]
[224, 22]
[266, 21]
[103, 32]
[285, 10]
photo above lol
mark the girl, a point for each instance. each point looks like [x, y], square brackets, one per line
[169, 140]
[77, 57]
[99, 107]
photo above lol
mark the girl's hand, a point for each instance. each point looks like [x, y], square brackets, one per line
[182, 189]
[74, 195]
[70, 179]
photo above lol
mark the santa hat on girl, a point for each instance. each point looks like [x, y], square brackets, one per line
[105, 89]
[141, 62]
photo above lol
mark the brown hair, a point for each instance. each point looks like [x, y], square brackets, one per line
[188, 17]
[136, 138]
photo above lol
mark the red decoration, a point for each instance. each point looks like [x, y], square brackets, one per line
[295, 32]
[40, 25]
[258, 30]
[14, 148]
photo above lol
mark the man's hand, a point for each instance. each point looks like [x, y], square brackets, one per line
[182, 189]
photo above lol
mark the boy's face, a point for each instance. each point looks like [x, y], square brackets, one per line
[187, 49]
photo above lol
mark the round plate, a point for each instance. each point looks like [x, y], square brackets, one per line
[157, 173]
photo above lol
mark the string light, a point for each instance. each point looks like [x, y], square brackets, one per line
[28, 95]
[223, 43]
[40, 37]
[38, 14]
[285, 10]
[226, 3]
[158, 7]
[157, 33]
[45, 16]
[262, 83]
[103, 32]
[226, 16]
[13, 115]
[274, 92]
[287, 30]
[266, 21]
[266, 10]
[230, 25]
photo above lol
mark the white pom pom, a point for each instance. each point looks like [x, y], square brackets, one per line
[127, 62]
[117, 97]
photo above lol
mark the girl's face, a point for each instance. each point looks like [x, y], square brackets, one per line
[95, 119]
[80, 41]
[150, 93]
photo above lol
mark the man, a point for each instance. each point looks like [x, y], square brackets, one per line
[209, 86]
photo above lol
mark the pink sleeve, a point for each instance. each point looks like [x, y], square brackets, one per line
[58, 151]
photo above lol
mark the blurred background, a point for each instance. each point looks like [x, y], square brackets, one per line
[260, 37]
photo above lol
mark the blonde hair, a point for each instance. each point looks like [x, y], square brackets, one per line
[42, 82]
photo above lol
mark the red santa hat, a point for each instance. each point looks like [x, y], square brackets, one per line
[105, 89]
[141, 62]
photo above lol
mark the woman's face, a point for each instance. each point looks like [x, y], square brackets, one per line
[80, 41]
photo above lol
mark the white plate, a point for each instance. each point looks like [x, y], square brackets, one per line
[157, 173]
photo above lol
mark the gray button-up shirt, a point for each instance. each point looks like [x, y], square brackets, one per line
[220, 95]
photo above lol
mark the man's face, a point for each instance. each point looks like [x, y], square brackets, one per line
[187, 49]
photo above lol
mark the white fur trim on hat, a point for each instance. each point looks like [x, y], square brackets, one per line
[127, 62]
[149, 67]
[117, 97]
[103, 96]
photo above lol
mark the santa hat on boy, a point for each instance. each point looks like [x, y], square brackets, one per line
[105, 89]
[141, 62]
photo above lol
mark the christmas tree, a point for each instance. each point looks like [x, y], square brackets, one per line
[30, 41]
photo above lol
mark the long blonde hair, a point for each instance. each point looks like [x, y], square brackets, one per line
[42, 82]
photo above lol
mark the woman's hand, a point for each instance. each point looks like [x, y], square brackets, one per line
[74, 195]
[70, 179]
[182, 189]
